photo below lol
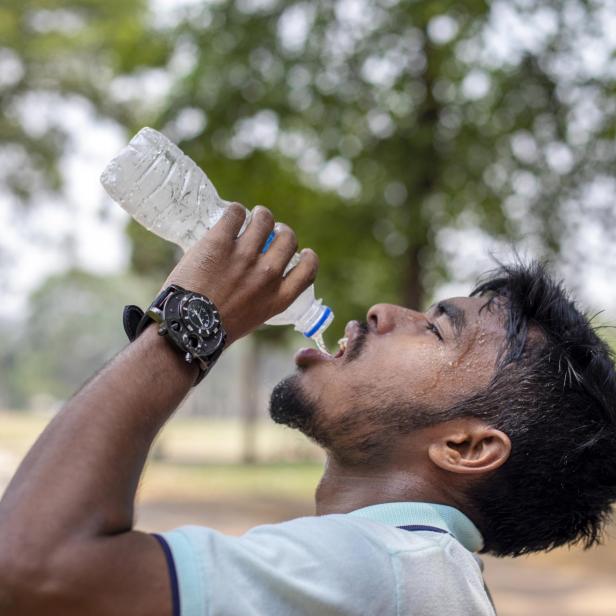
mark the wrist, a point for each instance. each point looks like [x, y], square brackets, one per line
[188, 320]
[168, 361]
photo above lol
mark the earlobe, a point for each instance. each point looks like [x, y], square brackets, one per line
[475, 450]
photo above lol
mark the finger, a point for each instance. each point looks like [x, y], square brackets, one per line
[259, 229]
[300, 277]
[230, 223]
[282, 248]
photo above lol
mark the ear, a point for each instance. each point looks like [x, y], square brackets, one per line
[469, 446]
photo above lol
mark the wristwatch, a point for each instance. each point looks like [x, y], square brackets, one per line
[189, 320]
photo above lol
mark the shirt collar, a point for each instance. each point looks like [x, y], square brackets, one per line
[444, 517]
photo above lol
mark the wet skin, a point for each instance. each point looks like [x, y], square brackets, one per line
[425, 360]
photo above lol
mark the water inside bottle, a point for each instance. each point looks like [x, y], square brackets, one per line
[318, 340]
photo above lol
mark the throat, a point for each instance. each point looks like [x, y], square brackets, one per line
[342, 490]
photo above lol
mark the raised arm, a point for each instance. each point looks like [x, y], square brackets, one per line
[67, 544]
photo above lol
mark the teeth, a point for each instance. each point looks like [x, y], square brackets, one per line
[342, 343]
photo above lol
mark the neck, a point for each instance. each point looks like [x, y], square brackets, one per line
[343, 489]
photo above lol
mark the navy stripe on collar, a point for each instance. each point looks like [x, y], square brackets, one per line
[433, 529]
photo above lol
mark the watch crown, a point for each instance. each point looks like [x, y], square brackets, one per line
[188, 357]
[162, 330]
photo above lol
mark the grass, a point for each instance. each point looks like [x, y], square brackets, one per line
[196, 458]
[292, 481]
[19, 430]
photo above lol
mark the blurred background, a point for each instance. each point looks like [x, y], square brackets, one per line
[409, 143]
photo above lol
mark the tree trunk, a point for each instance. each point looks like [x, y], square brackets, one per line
[413, 287]
[249, 396]
[413, 292]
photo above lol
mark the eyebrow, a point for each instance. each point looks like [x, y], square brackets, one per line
[456, 315]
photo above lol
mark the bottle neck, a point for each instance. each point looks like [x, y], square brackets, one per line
[315, 320]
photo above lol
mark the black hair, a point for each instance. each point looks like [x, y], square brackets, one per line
[554, 395]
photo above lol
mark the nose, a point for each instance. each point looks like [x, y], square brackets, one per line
[381, 319]
[384, 318]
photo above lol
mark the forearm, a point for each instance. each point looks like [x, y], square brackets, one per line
[82, 474]
[64, 545]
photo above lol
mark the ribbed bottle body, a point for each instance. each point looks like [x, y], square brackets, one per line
[166, 192]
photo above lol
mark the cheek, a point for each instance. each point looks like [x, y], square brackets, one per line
[428, 376]
[417, 376]
[463, 378]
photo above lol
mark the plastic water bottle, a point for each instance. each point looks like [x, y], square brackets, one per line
[166, 192]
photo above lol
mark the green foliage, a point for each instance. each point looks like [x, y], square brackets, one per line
[369, 126]
[153, 256]
[424, 130]
[51, 51]
[74, 327]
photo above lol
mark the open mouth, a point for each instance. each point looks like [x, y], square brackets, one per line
[307, 356]
[342, 347]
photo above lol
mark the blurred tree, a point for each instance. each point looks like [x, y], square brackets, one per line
[72, 330]
[54, 51]
[371, 125]
[381, 120]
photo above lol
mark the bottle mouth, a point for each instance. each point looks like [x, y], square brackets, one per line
[322, 322]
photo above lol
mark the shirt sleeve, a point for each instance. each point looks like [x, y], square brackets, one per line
[304, 567]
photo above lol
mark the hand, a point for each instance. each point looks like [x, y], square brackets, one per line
[246, 285]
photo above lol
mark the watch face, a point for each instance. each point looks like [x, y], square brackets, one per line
[199, 316]
[194, 324]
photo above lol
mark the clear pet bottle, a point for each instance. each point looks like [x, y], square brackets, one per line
[166, 192]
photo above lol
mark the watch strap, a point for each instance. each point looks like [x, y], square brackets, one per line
[136, 320]
[131, 317]
[206, 365]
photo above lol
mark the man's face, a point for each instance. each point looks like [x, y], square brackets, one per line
[399, 366]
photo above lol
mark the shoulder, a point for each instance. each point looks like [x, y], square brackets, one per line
[328, 564]
[304, 566]
[332, 535]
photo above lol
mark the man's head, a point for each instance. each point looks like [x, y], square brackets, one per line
[502, 403]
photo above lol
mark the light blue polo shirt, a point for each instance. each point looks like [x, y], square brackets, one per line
[342, 564]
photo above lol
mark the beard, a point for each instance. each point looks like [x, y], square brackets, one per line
[365, 434]
[289, 406]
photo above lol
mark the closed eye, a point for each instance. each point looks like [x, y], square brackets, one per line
[434, 329]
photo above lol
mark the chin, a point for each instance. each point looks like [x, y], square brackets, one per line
[289, 405]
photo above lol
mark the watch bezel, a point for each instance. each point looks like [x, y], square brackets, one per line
[200, 343]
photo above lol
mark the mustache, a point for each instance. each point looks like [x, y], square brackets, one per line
[359, 343]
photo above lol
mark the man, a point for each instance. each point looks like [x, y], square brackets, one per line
[486, 423]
